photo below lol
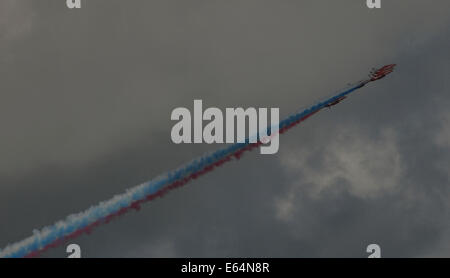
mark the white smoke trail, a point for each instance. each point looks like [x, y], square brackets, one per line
[51, 235]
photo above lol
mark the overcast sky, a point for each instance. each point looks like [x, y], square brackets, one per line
[86, 98]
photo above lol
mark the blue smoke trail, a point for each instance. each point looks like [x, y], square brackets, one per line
[74, 224]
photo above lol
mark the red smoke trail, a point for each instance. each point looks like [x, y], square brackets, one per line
[58, 233]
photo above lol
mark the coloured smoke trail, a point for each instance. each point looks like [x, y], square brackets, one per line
[83, 222]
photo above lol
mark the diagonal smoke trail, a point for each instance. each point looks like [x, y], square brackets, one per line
[83, 222]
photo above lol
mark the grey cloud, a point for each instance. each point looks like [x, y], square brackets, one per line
[85, 113]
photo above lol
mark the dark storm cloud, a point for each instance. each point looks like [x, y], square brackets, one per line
[87, 95]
